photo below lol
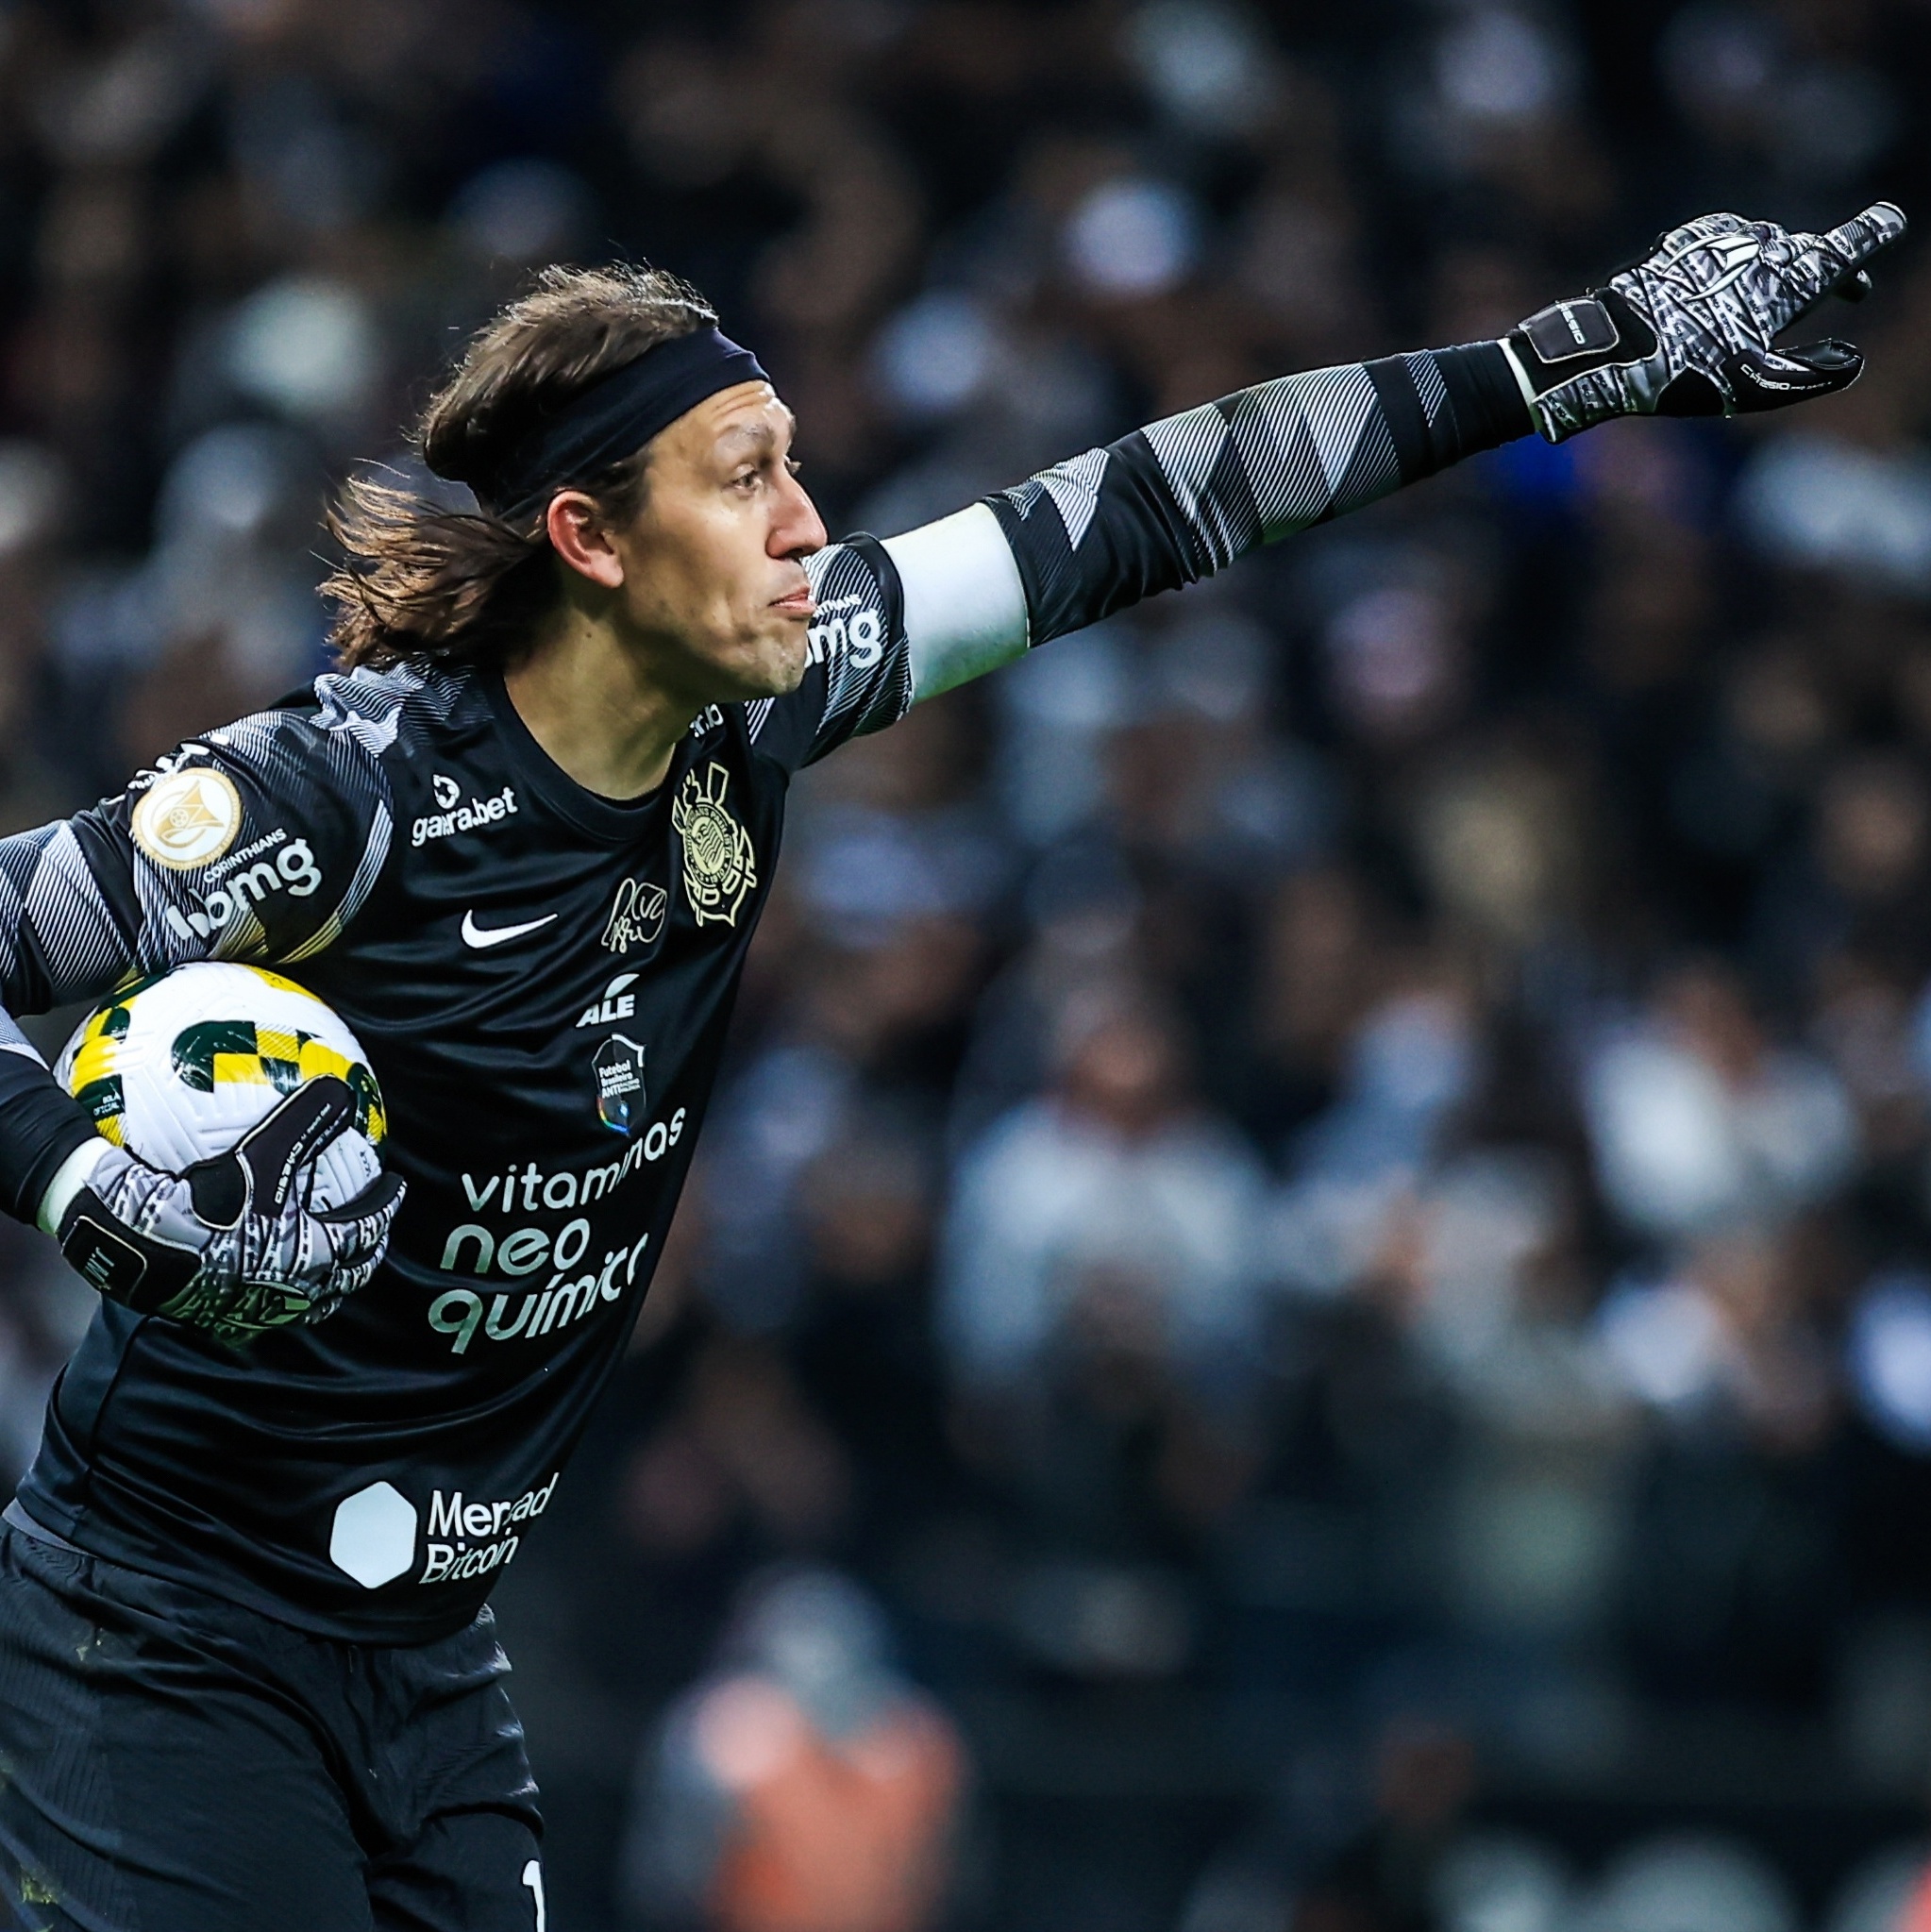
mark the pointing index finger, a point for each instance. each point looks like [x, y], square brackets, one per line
[1823, 262]
[1865, 234]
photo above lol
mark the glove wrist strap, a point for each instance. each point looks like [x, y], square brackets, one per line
[123, 1263]
[1524, 382]
[1577, 362]
[70, 1177]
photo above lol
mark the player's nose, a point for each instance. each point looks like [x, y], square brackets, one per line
[798, 529]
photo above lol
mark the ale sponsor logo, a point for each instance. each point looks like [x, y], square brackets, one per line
[617, 1004]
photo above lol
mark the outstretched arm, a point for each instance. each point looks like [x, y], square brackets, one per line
[1690, 330]
[1170, 504]
[916, 614]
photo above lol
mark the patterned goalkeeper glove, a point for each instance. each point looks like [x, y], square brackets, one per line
[1688, 330]
[231, 1246]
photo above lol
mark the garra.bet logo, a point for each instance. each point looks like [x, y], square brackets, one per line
[455, 817]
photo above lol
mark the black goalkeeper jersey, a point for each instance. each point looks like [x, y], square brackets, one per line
[542, 980]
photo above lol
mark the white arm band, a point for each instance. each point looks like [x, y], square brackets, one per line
[1521, 376]
[964, 604]
[70, 1177]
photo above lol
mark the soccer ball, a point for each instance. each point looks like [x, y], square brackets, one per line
[178, 1068]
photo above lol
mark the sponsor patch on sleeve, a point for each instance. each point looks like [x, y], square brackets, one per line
[187, 819]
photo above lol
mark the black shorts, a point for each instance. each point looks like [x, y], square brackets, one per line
[170, 1763]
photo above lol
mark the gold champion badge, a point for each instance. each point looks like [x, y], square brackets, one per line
[187, 819]
[720, 868]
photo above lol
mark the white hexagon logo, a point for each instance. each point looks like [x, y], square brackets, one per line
[374, 1538]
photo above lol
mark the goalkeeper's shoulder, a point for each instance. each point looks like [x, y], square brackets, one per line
[264, 836]
[323, 759]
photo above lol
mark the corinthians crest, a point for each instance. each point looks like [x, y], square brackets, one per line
[720, 868]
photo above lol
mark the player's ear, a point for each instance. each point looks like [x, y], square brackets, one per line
[580, 536]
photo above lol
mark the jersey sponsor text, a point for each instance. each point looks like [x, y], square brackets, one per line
[469, 818]
[293, 869]
[475, 1536]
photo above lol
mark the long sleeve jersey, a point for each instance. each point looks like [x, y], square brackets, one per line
[543, 979]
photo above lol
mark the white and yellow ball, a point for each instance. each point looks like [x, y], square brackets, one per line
[178, 1067]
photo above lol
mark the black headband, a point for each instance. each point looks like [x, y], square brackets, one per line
[616, 417]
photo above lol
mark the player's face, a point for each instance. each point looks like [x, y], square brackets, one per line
[714, 584]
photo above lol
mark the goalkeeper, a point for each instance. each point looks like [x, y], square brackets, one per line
[520, 841]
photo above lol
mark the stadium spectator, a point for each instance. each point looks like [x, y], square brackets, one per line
[1111, 1214]
[804, 1786]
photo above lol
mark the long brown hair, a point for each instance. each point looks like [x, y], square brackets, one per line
[420, 581]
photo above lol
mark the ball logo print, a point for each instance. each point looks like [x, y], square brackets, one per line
[213, 1052]
[720, 867]
[187, 819]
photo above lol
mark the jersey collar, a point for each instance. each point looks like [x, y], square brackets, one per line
[611, 821]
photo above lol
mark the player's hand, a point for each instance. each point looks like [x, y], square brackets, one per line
[1690, 330]
[231, 1246]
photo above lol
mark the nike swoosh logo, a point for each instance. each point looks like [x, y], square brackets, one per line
[481, 937]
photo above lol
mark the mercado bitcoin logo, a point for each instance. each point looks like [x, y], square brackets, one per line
[720, 868]
[189, 818]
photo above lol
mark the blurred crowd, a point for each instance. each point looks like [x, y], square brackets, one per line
[1307, 1303]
